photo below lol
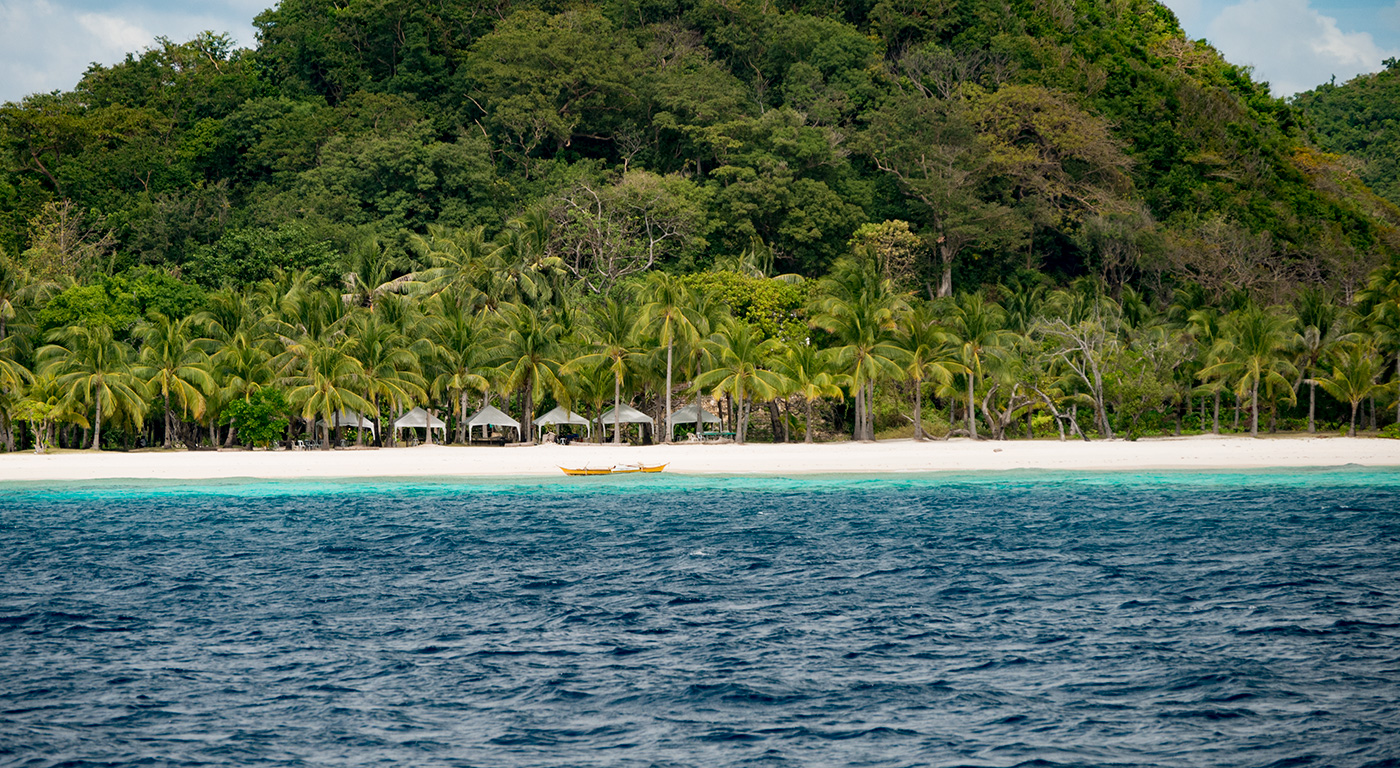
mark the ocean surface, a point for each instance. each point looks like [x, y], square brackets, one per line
[1115, 619]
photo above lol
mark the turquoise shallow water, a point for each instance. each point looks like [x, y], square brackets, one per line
[989, 619]
[1352, 476]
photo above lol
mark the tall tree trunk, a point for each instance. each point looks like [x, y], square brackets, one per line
[97, 426]
[1352, 431]
[774, 417]
[617, 410]
[168, 419]
[462, 419]
[325, 433]
[808, 439]
[918, 411]
[1312, 405]
[971, 411]
[870, 410]
[945, 285]
[670, 349]
[1215, 423]
[860, 414]
[1254, 409]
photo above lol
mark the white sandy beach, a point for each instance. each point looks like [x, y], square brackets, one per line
[893, 456]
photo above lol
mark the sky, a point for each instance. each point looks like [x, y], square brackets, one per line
[1296, 45]
[1293, 44]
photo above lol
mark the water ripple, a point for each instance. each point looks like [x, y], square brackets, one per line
[1100, 621]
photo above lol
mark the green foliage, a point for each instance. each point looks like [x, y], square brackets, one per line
[159, 293]
[245, 256]
[776, 308]
[107, 303]
[1024, 137]
[261, 419]
[1361, 118]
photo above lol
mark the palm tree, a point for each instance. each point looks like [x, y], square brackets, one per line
[388, 365]
[671, 313]
[18, 289]
[459, 355]
[1203, 326]
[369, 274]
[93, 368]
[1253, 351]
[591, 385]
[323, 380]
[975, 329]
[1379, 303]
[521, 271]
[173, 362]
[927, 355]
[241, 367]
[806, 372]
[615, 327]
[858, 307]
[1316, 332]
[457, 259]
[739, 353]
[530, 349]
[1356, 370]
[13, 378]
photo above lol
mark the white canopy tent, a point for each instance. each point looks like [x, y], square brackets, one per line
[686, 415]
[626, 414]
[349, 419]
[491, 416]
[561, 415]
[420, 419]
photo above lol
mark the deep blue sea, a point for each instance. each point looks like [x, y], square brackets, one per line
[1226, 619]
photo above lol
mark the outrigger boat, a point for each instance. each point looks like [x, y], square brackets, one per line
[616, 469]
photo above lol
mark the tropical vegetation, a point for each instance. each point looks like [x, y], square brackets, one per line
[908, 217]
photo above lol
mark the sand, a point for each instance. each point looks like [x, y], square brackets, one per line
[892, 456]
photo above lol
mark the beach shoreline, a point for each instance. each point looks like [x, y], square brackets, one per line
[1204, 452]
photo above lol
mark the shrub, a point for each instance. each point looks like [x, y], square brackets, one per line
[261, 420]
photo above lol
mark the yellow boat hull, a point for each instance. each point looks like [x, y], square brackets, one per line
[619, 469]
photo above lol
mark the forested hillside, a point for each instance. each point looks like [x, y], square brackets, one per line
[1070, 138]
[828, 212]
[1361, 119]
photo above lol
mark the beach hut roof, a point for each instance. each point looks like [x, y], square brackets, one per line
[418, 419]
[629, 415]
[348, 419]
[492, 416]
[560, 415]
[686, 415]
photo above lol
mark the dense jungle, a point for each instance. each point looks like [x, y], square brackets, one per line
[859, 220]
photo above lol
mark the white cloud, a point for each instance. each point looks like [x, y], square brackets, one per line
[1293, 46]
[114, 33]
[46, 46]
